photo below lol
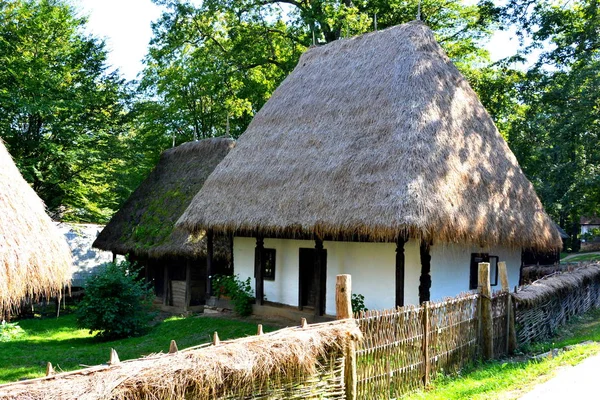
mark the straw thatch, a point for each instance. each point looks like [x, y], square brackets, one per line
[557, 285]
[144, 226]
[236, 368]
[373, 137]
[35, 259]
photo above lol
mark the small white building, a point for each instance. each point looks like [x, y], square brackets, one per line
[374, 158]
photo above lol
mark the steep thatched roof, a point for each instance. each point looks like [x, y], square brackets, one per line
[375, 136]
[34, 257]
[145, 224]
[233, 369]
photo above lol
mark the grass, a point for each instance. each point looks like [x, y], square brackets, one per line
[59, 341]
[508, 379]
[584, 257]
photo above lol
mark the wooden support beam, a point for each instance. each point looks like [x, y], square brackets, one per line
[321, 278]
[259, 263]
[209, 263]
[400, 270]
[425, 279]
[259, 331]
[166, 285]
[343, 296]
[303, 323]
[188, 284]
[216, 340]
[486, 321]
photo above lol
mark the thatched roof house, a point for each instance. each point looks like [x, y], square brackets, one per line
[34, 257]
[375, 138]
[144, 228]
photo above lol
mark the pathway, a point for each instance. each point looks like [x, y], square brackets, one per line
[578, 382]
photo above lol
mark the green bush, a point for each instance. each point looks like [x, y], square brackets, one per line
[239, 291]
[116, 303]
[10, 331]
[358, 303]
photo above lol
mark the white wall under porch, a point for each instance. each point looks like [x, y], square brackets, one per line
[373, 269]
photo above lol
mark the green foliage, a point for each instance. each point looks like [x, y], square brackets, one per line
[61, 114]
[591, 234]
[358, 303]
[10, 331]
[116, 303]
[238, 290]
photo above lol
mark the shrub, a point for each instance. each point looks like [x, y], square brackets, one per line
[239, 291]
[358, 303]
[10, 331]
[116, 303]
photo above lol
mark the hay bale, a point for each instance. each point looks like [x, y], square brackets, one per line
[234, 368]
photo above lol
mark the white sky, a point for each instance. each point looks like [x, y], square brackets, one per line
[125, 26]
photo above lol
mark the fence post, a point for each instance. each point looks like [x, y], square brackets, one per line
[511, 334]
[343, 310]
[486, 322]
[426, 328]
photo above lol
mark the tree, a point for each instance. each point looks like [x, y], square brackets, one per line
[212, 67]
[61, 114]
[557, 137]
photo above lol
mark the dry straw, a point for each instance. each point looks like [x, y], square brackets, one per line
[144, 226]
[235, 368]
[35, 259]
[556, 286]
[373, 137]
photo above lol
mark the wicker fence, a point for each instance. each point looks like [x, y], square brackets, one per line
[543, 306]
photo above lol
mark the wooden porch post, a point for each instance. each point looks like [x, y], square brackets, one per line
[259, 261]
[321, 275]
[166, 285]
[425, 279]
[400, 270]
[209, 262]
[188, 284]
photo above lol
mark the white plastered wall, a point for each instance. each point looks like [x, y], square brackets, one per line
[450, 267]
[373, 269]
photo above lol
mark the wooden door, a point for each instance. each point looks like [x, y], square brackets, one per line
[311, 280]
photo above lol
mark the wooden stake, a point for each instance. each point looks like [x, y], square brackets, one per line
[343, 296]
[49, 369]
[512, 332]
[486, 321]
[426, 358]
[114, 357]
[303, 323]
[260, 330]
[503, 276]
[216, 340]
[173, 347]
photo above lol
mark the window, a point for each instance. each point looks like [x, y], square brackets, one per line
[269, 265]
[477, 258]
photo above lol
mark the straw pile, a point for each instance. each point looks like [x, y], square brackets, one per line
[35, 259]
[144, 226]
[375, 137]
[556, 286]
[235, 369]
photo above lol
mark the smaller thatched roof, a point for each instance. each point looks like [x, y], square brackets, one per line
[236, 367]
[35, 259]
[557, 285]
[589, 220]
[144, 226]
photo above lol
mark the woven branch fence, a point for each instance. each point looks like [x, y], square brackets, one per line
[543, 306]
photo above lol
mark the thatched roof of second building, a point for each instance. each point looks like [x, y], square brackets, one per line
[34, 257]
[375, 136]
[145, 224]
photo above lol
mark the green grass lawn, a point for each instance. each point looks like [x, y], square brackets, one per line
[508, 379]
[60, 342]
